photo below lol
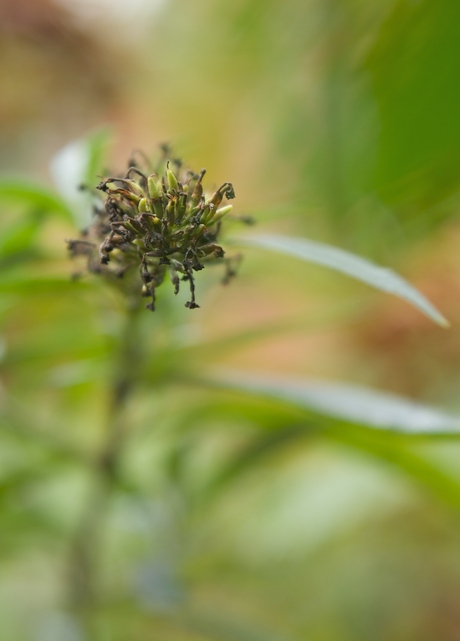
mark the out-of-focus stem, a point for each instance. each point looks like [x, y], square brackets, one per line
[85, 552]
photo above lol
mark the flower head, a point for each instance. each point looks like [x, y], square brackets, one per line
[151, 225]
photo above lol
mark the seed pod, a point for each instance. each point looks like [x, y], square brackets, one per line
[129, 185]
[225, 189]
[197, 191]
[157, 208]
[154, 191]
[207, 250]
[133, 225]
[126, 195]
[156, 203]
[126, 207]
[143, 205]
[220, 213]
[207, 213]
[171, 211]
[198, 231]
[142, 179]
[153, 222]
[172, 180]
[215, 199]
[181, 207]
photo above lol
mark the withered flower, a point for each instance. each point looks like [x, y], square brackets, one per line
[149, 226]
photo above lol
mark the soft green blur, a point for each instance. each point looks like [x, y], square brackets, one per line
[236, 516]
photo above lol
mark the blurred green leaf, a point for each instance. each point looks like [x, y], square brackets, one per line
[97, 146]
[413, 463]
[22, 192]
[342, 261]
[413, 66]
[260, 447]
[28, 476]
[20, 243]
[76, 165]
[25, 283]
[223, 628]
[19, 237]
[348, 403]
[326, 418]
[23, 429]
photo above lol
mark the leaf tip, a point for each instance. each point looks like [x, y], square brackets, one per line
[443, 322]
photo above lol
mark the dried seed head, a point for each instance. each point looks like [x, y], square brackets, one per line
[146, 227]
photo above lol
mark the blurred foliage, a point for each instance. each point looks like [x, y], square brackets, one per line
[235, 492]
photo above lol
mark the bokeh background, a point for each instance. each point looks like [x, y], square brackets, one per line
[238, 518]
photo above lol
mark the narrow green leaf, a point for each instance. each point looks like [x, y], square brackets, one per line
[22, 192]
[342, 261]
[351, 404]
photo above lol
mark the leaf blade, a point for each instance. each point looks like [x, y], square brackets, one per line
[76, 165]
[381, 278]
[24, 192]
[349, 403]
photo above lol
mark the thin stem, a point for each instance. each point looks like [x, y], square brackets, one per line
[88, 540]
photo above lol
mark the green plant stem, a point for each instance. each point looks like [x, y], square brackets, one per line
[88, 540]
